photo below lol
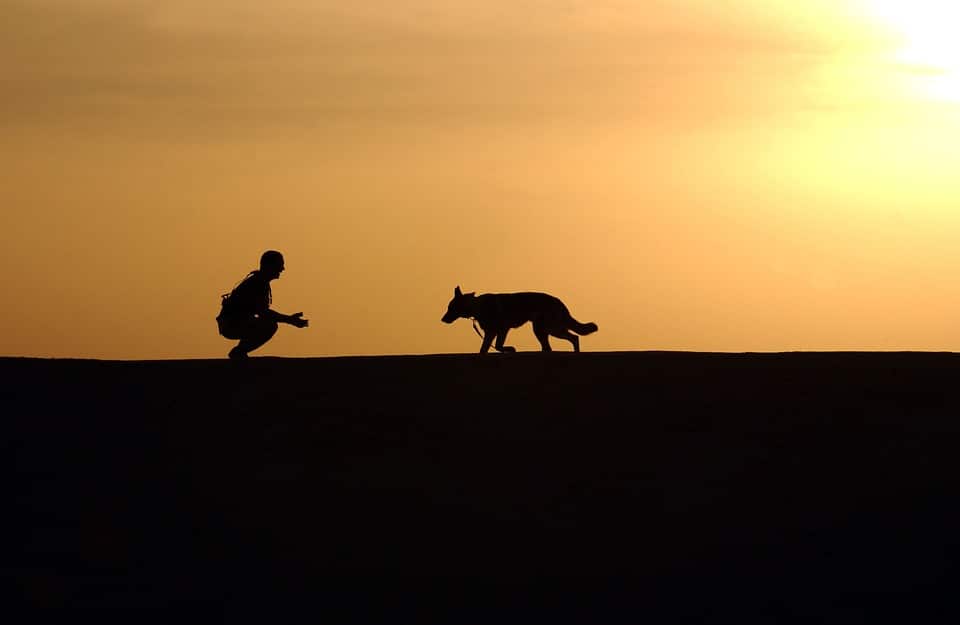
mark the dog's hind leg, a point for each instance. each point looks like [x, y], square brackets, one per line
[543, 335]
[568, 336]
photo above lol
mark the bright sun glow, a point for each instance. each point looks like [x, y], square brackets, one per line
[930, 46]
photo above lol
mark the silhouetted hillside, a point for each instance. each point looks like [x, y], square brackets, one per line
[524, 488]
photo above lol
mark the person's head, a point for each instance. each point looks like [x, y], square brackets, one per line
[271, 264]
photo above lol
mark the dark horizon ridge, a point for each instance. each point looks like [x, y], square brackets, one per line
[521, 354]
[590, 487]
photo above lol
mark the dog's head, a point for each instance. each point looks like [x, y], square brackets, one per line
[460, 306]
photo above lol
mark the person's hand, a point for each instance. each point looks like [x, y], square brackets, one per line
[296, 319]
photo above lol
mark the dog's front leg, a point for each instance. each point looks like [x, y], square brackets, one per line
[501, 338]
[487, 340]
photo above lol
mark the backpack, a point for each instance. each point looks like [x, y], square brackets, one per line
[230, 302]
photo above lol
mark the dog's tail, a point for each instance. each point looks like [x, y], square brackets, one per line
[582, 328]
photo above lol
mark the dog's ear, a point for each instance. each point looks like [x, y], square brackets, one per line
[456, 292]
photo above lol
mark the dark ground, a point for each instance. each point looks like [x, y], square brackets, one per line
[526, 488]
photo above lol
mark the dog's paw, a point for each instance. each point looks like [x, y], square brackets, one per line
[507, 349]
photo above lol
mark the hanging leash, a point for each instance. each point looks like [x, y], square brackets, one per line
[475, 328]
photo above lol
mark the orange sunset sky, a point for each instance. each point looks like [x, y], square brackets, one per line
[688, 174]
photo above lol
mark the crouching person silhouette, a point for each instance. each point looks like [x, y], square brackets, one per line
[245, 312]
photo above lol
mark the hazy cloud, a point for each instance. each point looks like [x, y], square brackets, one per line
[299, 62]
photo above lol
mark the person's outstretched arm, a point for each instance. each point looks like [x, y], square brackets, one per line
[296, 319]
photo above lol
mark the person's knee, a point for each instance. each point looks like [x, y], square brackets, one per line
[229, 331]
[268, 328]
[259, 333]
